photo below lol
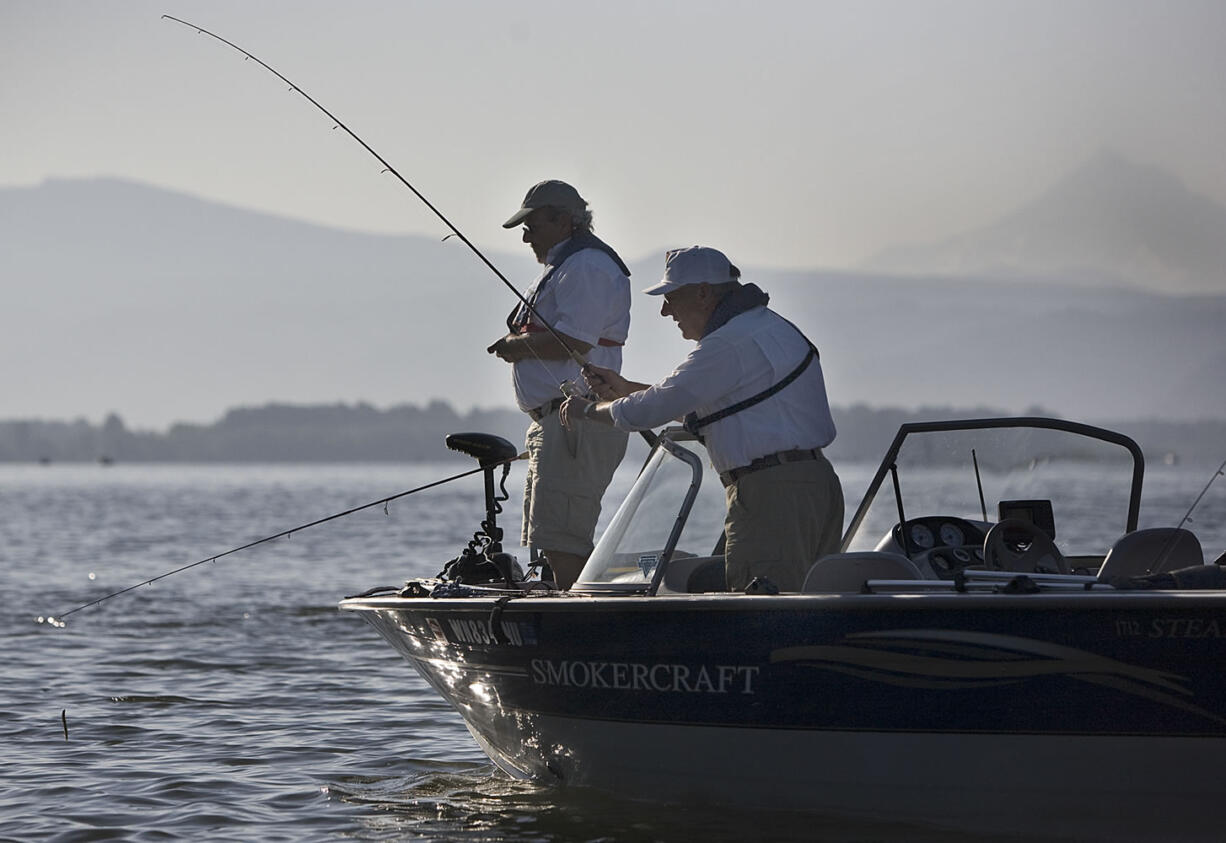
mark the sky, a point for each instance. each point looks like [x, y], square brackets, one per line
[790, 134]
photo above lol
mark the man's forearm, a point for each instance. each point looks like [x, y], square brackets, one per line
[537, 346]
[633, 387]
[598, 411]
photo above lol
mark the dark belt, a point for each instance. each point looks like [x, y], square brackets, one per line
[545, 409]
[769, 461]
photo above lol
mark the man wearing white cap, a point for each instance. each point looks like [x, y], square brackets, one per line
[583, 295]
[753, 389]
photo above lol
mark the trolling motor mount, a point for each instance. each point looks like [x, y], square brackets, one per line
[483, 560]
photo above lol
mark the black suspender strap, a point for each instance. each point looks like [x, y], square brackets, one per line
[520, 315]
[693, 423]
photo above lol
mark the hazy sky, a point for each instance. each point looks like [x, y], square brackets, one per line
[787, 133]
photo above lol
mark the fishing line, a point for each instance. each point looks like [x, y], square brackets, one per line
[1188, 515]
[576, 356]
[58, 621]
[647, 435]
[1173, 539]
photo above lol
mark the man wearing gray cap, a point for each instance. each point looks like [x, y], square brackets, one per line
[583, 295]
[753, 390]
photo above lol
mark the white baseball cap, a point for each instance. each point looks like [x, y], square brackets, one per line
[694, 265]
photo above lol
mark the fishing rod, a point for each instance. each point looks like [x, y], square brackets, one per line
[1221, 469]
[54, 621]
[574, 355]
[1173, 538]
[648, 435]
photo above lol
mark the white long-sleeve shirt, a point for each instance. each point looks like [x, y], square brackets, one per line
[749, 354]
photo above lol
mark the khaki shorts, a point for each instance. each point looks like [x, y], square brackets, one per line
[568, 472]
[780, 521]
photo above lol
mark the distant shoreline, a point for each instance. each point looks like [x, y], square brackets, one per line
[285, 433]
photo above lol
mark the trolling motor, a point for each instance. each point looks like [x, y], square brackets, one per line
[482, 560]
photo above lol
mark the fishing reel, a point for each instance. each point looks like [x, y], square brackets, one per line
[483, 560]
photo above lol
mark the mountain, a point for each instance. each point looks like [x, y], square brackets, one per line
[167, 308]
[1110, 222]
[163, 306]
[1081, 352]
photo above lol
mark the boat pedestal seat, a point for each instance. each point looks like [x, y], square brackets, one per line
[1151, 551]
[847, 572]
[695, 575]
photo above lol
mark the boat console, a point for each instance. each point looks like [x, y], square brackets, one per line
[939, 545]
[945, 546]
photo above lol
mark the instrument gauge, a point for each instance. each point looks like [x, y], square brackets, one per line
[921, 536]
[951, 535]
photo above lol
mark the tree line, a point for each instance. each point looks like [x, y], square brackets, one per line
[407, 433]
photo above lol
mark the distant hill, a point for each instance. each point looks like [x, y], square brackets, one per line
[1110, 222]
[125, 295]
[155, 305]
[271, 433]
[1082, 352]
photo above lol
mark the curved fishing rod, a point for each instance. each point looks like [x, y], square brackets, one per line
[576, 356]
[648, 435]
[382, 501]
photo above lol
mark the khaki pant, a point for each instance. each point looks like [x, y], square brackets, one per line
[780, 521]
[568, 471]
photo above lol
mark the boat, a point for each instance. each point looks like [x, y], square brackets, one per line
[995, 647]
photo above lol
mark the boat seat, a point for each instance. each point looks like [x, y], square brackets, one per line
[694, 575]
[847, 572]
[708, 576]
[1151, 551]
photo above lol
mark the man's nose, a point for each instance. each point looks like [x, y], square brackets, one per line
[527, 238]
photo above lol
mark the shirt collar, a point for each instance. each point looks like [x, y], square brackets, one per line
[557, 247]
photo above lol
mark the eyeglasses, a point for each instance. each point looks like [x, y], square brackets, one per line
[550, 218]
[679, 294]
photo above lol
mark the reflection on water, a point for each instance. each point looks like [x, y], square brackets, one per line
[475, 802]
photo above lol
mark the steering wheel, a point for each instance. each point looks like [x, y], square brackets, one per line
[1015, 545]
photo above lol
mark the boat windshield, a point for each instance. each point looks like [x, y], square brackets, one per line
[669, 508]
[1091, 478]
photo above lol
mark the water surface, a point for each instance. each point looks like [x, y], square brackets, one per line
[233, 701]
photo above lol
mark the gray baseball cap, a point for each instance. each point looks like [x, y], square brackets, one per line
[694, 265]
[548, 194]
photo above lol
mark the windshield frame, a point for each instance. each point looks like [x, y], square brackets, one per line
[690, 458]
[667, 441]
[1077, 428]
